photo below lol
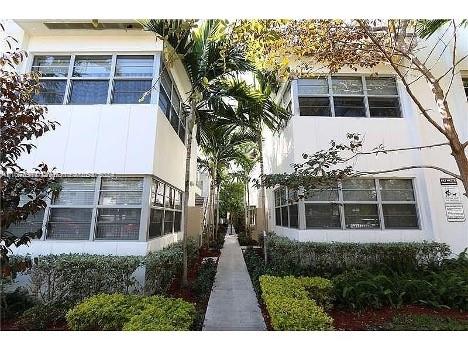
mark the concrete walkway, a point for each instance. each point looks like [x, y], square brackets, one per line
[233, 304]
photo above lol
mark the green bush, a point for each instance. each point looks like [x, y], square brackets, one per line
[113, 312]
[426, 322]
[361, 289]
[290, 305]
[42, 317]
[290, 257]
[165, 265]
[14, 303]
[205, 279]
[245, 240]
[69, 278]
[170, 314]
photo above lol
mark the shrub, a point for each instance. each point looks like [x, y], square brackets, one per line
[172, 314]
[113, 312]
[245, 240]
[41, 317]
[364, 288]
[69, 278]
[425, 322]
[290, 305]
[205, 279]
[165, 265]
[15, 303]
[290, 257]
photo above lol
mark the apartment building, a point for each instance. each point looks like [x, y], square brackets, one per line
[404, 206]
[119, 151]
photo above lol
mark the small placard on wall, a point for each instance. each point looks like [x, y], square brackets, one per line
[455, 212]
[452, 199]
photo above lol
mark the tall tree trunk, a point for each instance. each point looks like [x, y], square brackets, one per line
[188, 159]
[213, 208]
[262, 174]
[217, 211]
[248, 213]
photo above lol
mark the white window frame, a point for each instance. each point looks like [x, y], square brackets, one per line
[379, 202]
[364, 95]
[69, 78]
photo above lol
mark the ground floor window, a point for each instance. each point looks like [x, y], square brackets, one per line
[360, 203]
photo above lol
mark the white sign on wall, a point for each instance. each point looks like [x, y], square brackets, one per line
[452, 199]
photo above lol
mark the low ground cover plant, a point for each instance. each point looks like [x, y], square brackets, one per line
[426, 322]
[131, 312]
[290, 304]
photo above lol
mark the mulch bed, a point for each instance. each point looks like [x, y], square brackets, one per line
[373, 319]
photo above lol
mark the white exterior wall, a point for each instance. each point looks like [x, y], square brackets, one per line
[131, 139]
[310, 134]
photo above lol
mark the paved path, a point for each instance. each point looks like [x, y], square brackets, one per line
[233, 304]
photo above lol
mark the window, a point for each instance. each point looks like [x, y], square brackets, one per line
[286, 208]
[363, 203]
[32, 224]
[170, 103]
[53, 70]
[286, 100]
[465, 86]
[94, 79]
[133, 78]
[118, 215]
[349, 97]
[166, 211]
[71, 210]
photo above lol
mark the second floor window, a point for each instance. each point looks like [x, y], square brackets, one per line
[94, 79]
[350, 96]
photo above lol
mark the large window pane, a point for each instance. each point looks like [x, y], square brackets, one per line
[166, 82]
[349, 107]
[314, 106]
[131, 91]
[347, 86]
[359, 190]
[32, 224]
[69, 223]
[51, 66]
[121, 191]
[159, 200]
[88, 92]
[284, 216]
[164, 103]
[92, 66]
[134, 66]
[277, 198]
[156, 222]
[177, 221]
[178, 200]
[168, 222]
[76, 192]
[312, 86]
[293, 216]
[283, 196]
[465, 86]
[400, 216]
[322, 216]
[51, 92]
[321, 195]
[118, 223]
[383, 107]
[396, 189]
[381, 86]
[278, 216]
[361, 216]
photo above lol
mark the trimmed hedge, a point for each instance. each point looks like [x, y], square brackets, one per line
[291, 257]
[163, 266]
[289, 303]
[131, 312]
[69, 278]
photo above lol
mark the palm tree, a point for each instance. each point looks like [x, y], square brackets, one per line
[221, 145]
[208, 59]
[426, 28]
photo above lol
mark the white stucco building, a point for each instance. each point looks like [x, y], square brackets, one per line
[402, 206]
[122, 159]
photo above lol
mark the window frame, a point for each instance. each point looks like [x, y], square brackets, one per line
[284, 206]
[465, 84]
[69, 78]
[365, 95]
[378, 202]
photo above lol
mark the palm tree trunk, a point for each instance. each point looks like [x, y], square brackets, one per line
[188, 159]
[262, 186]
[248, 212]
[217, 210]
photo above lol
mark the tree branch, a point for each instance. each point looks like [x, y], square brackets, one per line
[443, 170]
